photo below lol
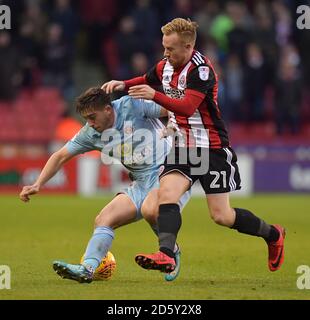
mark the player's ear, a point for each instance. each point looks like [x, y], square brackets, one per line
[108, 108]
[188, 46]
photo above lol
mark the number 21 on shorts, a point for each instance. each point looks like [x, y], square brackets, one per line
[218, 176]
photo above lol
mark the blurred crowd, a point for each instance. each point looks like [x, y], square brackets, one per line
[261, 57]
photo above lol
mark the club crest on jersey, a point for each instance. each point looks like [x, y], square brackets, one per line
[128, 129]
[182, 81]
[203, 73]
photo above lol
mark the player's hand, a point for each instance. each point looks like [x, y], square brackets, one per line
[28, 191]
[142, 91]
[113, 85]
[168, 131]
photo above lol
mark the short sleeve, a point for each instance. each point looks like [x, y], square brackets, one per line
[80, 143]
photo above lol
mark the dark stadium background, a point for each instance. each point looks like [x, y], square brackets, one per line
[57, 49]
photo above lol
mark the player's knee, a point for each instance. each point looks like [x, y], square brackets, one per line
[221, 216]
[102, 220]
[150, 213]
[98, 220]
[218, 219]
[166, 195]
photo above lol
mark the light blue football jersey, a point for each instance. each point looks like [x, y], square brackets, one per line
[134, 140]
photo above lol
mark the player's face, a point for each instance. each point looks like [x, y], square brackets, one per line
[176, 51]
[100, 120]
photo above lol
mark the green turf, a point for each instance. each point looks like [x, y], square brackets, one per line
[217, 263]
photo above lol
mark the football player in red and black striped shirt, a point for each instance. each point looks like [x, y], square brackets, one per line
[189, 92]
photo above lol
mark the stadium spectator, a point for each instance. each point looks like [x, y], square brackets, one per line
[64, 15]
[221, 25]
[205, 16]
[146, 27]
[127, 43]
[263, 34]
[10, 68]
[183, 8]
[33, 13]
[283, 23]
[288, 92]
[233, 105]
[254, 82]
[30, 52]
[57, 61]
[139, 64]
[98, 18]
[238, 36]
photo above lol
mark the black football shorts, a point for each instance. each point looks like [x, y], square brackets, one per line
[216, 169]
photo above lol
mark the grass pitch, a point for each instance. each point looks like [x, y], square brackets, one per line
[217, 263]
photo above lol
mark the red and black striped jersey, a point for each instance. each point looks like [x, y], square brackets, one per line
[199, 120]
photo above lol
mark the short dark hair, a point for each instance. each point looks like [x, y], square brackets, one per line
[92, 99]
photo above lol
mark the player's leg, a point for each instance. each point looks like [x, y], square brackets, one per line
[244, 221]
[149, 210]
[172, 186]
[220, 210]
[223, 177]
[120, 211]
[150, 207]
[112, 216]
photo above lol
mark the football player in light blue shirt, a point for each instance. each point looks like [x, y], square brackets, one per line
[126, 131]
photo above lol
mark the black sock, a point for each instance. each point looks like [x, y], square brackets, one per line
[273, 235]
[246, 222]
[169, 224]
[167, 251]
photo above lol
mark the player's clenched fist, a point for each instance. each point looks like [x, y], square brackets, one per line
[27, 191]
[113, 85]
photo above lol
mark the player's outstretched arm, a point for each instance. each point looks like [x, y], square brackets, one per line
[51, 167]
[185, 106]
[113, 85]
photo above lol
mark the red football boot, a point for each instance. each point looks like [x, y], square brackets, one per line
[276, 250]
[156, 261]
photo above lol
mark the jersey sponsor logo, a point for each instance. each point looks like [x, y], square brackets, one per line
[203, 73]
[174, 93]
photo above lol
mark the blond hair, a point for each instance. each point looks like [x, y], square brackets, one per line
[186, 29]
